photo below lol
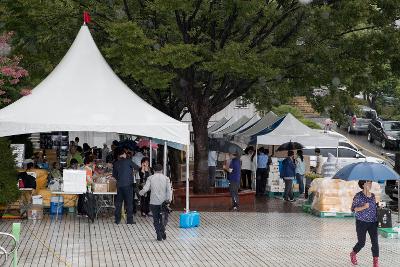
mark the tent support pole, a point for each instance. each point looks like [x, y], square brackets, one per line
[398, 201]
[255, 182]
[165, 158]
[187, 178]
[151, 153]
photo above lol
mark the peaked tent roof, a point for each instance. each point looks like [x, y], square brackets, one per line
[234, 126]
[245, 126]
[218, 125]
[291, 129]
[260, 125]
[62, 101]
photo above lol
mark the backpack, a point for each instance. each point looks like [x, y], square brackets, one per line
[28, 180]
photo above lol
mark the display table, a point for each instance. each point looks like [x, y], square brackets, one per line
[104, 201]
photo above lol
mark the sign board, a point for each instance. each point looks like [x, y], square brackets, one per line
[74, 181]
[19, 153]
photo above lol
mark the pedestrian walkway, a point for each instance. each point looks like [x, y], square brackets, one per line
[223, 239]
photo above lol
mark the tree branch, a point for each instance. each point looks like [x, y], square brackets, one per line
[127, 11]
[228, 26]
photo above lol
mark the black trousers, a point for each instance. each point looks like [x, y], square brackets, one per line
[261, 181]
[124, 195]
[288, 189]
[246, 177]
[160, 219]
[145, 203]
[362, 228]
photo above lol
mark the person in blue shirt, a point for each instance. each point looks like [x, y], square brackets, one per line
[365, 208]
[234, 180]
[262, 171]
[288, 174]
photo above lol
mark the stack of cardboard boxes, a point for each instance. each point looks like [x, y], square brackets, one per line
[35, 212]
[334, 195]
[275, 183]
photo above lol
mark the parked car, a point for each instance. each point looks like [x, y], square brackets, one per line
[391, 189]
[344, 155]
[343, 141]
[385, 132]
[358, 121]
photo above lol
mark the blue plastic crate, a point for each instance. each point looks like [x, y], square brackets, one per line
[189, 219]
[221, 183]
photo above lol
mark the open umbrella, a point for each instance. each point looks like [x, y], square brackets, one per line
[290, 146]
[369, 171]
[146, 143]
[222, 145]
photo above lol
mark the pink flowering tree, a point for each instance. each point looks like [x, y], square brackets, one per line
[11, 73]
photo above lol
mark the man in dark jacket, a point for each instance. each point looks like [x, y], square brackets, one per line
[123, 173]
[288, 174]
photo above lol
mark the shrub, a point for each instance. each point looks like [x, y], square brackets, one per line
[8, 175]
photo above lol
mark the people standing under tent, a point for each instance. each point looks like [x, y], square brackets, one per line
[161, 195]
[234, 180]
[111, 157]
[76, 141]
[86, 151]
[104, 152]
[78, 155]
[261, 174]
[144, 173]
[74, 154]
[212, 166]
[269, 161]
[137, 158]
[300, 171]
[317, 169]
[123, 173]
[320, 161]
[246, 167]
[365, 208]
[288, 174]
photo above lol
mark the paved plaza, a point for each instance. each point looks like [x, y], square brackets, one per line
[223, 239]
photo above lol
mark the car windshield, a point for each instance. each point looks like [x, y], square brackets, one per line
[392, 126]
[369, 114]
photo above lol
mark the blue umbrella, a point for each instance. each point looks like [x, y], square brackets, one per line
[369, 171]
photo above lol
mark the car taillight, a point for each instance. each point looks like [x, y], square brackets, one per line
[354, 120]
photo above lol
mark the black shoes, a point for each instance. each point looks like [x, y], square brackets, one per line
[164, 236]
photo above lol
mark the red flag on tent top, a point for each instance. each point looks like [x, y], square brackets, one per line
[86, 17]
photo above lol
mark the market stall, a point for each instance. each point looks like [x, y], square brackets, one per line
[83, 76]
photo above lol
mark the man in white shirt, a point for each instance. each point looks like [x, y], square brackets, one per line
[246, 165]
[212, 166]
[161, 193]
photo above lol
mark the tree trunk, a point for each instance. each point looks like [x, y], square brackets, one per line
[200, 179]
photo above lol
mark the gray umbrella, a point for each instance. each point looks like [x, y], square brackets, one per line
[222, 145]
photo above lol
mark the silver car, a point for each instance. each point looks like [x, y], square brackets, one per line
[358, 121]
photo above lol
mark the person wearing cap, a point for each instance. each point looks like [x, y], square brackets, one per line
[160, 195]
[123, 173]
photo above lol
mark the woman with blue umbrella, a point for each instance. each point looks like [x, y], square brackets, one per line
[364, 203]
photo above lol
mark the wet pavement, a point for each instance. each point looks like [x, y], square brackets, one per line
[223, 239]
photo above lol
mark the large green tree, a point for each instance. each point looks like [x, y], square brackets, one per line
[203, 54]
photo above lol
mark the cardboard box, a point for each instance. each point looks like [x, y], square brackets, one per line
[100, 187]
[35, 212]
[112, 185]
[37, 200]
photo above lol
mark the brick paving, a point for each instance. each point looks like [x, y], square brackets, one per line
[223, 239]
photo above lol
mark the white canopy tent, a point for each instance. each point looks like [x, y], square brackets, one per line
[291, 129]
[84, 94]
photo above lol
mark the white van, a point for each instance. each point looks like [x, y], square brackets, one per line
[345, 155]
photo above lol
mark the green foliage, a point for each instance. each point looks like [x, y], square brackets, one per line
[282, 110]
[311, 124]
[8, 175]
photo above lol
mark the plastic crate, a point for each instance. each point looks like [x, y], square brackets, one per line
[189, 219]
[389, 233]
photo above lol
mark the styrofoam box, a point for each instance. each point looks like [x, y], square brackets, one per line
[274, 160]
[275, 188]
[37, 200]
